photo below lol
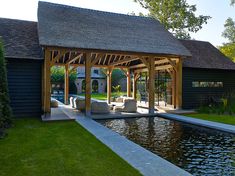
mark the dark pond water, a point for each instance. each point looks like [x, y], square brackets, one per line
[199, 151]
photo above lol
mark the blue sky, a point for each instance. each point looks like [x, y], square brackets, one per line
[219, 10]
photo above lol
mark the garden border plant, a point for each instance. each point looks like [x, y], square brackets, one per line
[225, 107]
[5, 109]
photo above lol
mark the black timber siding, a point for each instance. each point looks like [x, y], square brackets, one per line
[193, 97]
[24, 82]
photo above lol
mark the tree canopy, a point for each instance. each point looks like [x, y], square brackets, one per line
[228, 50]
[232, 2]
[229, 31]
[176, 15]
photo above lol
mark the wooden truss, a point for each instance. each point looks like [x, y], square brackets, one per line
[129, 62]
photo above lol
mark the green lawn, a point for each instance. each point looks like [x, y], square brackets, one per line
[227, 119]
[64, 148]
[103, 96]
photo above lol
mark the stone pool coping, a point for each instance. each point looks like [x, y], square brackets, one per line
[199, 122]
[146, 162]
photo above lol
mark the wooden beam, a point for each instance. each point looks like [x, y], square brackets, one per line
[57, 57]
[47, 83]
[109, 84]
[66, 85]
[162, 61]
[124, 71]
[151, 85]
[99, 66]
[161, 67]
[144, 60]
[128, 74]
[179, 84]
[135, 78]
[172, 64]
[88, 84]
[126, 59]
[174, 88]
[97, 58]
[74, 59]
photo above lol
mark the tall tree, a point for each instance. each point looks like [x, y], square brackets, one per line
[176, 15]
[5, 110]
[229, 31]
[228, 50]
[232, 2]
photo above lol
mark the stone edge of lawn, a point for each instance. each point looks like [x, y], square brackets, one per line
[199, 122]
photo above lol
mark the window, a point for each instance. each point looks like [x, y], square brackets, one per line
[96, 71]
[207, 84]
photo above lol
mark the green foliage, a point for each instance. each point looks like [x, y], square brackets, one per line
[226, 107]
[5, 109]
[228, 50]
[117, 75]
[117, 90]
[232, 2]
[176, 15]
[57, 77]
[229, 31]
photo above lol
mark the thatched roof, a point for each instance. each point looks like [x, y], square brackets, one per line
[20, 39]
[66, 26]
[205, 55]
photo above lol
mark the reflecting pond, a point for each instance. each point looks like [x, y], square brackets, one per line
[200, 151]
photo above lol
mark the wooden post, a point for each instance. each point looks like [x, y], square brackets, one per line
[174, 88]
[134, 86]
[66, 84]
[47, 82]
[128, 76]
[88, 84]
[179, 84]
[151, 85]
[109, 84]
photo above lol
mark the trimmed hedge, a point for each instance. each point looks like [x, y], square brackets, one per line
[5, 109]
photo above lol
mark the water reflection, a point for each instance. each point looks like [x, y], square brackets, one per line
[200, 151]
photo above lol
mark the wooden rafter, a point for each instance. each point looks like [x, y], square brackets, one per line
[74, 59]
[161, 67]
[58, 56]
[144, 61]
[97, 58]
[126, 59]
[172, 64]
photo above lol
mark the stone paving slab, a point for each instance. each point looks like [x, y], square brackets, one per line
[146, 162]
[199, 122]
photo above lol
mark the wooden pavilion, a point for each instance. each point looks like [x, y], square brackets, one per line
[74, 37]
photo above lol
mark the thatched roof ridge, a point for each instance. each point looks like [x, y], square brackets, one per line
[205, 55]
[73, 27]
[20, 39]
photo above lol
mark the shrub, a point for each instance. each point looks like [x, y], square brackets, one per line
[226, 107]
[5, 109]
[57, 77]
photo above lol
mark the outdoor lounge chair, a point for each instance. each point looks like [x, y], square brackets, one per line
[130, 105]
[71, 102]
[79, 103]
[54, 103]
[100, 108]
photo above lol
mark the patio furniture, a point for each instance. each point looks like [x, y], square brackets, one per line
[54, 103]
[100, 108]
[71, 102]
[80, 104]
[130, 105]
